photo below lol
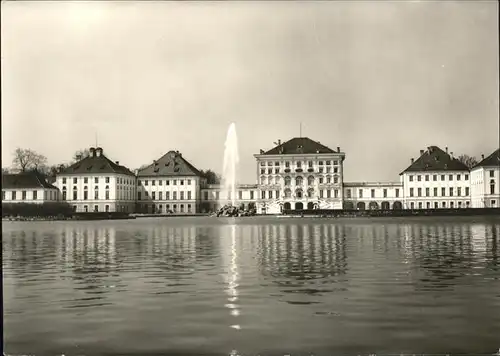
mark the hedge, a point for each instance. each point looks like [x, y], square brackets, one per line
[34, 210]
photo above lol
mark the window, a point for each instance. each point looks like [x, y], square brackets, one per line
[493, 203]
[411, 178]
[397, 192]
[435, 192]
[85, 193]
[428, 205]
[443, 204]
[335, 163]
[262, 163]
[96, 208]
[270, 171]
[35, 195]
[167, 182]
[277, 194]
[153, 182]
[336, 193]
[167, 196]
[452, 205]
[419, 178]
[107, 192]
[492, 174]
[372, 193]
[189, 208]
[64, 193]
[276, 164]
[361, 193]
[442, 176]
[23, 195]
[75, 193]
[321, 180]
[411, 192]
[174, 195]
[240, 195]
[251, 194]
[467, 191]
[466, 177]
[385, 193]
[189, 183]
[427, 192]
[217, 195]
[263, 195]
[459, 191]
[270, 194]
[459, 204]
[182, 208]
[189, 195]
[96, 193]
[335, 170]
[435, 177]
[443, 192]
[160, 182]
[85, 180]
[320, 163]
[412, 205]
[138, 195]
[450, 177]
[13, 195]
[107, 208]
[419, 192]
[320, 169]
[492, 188]
[64, 180]
[287, 164]
[426, 177]
[107, 179]
[182, 183]
[328, 193]
[328, 179]
[182, 195]
[328, 169]
[276, 171]
[153, 195]
[451, 191]
[96, 180]
[74, 180]
[299, 180]
[86, 208]
[328, 163]
[146, 182]
[459, 177]
[335, 180]
[160, 195]
[436, 205]
[321, 193]
[348, 193]
[420, 205]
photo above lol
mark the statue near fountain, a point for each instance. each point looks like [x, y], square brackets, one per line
[227, 199]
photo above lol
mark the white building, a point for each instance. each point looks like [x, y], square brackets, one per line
[436, 180]
[246, 197]
[299, 174]
[373, 196]
[29, 187]
[96, 183]
[485, 187]
[169, 185]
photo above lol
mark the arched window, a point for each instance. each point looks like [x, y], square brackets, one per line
[288, 180]
[299, 180]
[492, 186]
[64, 193]
[310, 180]
[107, 192]
[298, 193]
[75, 193]
[310, 192]
[85, 193]
[288, 193]
[96, 192]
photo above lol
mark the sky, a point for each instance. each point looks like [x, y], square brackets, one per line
[380, 79]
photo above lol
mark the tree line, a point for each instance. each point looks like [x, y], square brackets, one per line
[27, 160]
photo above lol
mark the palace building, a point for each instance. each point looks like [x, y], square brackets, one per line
[28, 187]
[95, 183]
[485, 177]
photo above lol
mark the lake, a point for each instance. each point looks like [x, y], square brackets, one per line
[249, 286]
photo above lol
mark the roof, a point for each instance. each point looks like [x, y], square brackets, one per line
[435, 159]
[27, 180]
[97, 164]
[299, 145]
[170, 164]
[493, 160]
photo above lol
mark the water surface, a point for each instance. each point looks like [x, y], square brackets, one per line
[268, 286]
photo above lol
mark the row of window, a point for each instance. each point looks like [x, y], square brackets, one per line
[96, 180]
[167, 196]
[451, 191]
[167, 182]
[436, 205]
[435, 177]
[158, 208]
[298, 164]
[372, 193]
[51, 195]
[217, 195]
[287, 170]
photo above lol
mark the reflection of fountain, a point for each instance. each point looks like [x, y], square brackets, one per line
[232, 278]
[231, 159]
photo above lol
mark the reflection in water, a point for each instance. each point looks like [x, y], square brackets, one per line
[154, 286]
[231, 274]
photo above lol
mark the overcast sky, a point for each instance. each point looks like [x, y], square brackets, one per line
[380, 79]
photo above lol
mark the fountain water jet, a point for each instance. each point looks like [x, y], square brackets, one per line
[229, 170]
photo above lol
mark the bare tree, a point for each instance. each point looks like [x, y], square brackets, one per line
[27, 160]
[5, 170]
[82, 154]
[469, 161]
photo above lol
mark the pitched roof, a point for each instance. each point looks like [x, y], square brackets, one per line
[96, 165]
[493, 160]
[435, 159]
[299, 145]
[170, 164]
[27, 180]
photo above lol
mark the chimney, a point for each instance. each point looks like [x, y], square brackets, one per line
[78, 157]
[92, 152]
[117, 163]
[446, 149]
[482, 156]
[136, 171]
[412, 160]
[451, 154]
[98, 151]
[421, 152]
[279, 142]
[338, 148]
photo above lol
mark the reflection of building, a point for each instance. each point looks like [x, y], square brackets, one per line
[95, 183]
[27, 188]
[436, 180]
[485, 182]
[169, 184]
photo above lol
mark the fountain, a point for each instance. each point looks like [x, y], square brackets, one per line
[227, 199]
